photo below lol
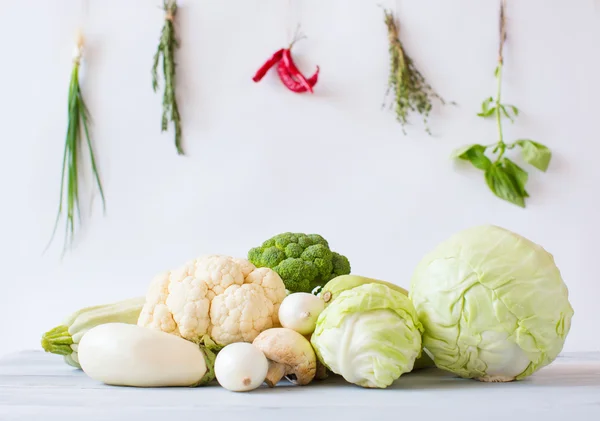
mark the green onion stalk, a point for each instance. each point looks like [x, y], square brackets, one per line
[78, 133]
[167, 46]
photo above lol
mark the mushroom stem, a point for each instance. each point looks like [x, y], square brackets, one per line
[321, 373]
[289, 353]
[275, 373]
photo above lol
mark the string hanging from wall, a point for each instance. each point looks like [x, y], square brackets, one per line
[503, 176]
[167, 46]
[78, 129]
[289, 74]
[408, 88]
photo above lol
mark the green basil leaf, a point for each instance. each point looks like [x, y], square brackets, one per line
[475, 154]
[518, 174]
[485, 105]
[503, 109]
[503, 185]
[535, 153]
[514, 109]
[487, 113]
[458, 153]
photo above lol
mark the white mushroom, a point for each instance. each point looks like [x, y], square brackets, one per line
[290, 354]
[241, 367]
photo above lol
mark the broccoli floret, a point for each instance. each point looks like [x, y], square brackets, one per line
[293, 250]
[303, 261]
[297, 274]
[341, 265]
[321, 256]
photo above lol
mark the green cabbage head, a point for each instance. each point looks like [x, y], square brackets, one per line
[493, 305]
[370, 335]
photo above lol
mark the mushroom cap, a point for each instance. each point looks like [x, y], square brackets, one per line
[288, 347]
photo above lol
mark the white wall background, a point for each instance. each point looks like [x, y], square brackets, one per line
[262, 160]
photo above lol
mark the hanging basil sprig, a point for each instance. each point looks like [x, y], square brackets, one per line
[411, 92]
[504, 178]
[167, 45]
[77, 125]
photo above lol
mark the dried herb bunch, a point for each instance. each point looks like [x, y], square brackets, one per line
[77, 126]
[504, 177]
[410, 90]
[167, 46]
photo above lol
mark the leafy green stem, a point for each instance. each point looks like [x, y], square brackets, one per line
[503, 176]
[167, 45]
[498, 113]
[410, 91]
[77, 128]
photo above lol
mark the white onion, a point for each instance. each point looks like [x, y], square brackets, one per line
[241, 367]
[299, 311]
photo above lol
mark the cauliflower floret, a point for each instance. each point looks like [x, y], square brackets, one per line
[240, 314]
[218, 298]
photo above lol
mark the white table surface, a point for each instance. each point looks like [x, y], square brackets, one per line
[36, 386]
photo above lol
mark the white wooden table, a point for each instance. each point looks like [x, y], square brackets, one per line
[38, 386]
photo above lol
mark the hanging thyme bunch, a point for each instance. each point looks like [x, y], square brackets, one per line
[167, 45]
[77, 126]
[504, 177]
[411, 91]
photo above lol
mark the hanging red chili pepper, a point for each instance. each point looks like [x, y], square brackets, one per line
[288, 73]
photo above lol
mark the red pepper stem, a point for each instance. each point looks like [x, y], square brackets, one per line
[298, 36]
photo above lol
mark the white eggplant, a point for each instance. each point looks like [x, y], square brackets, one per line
[129, 355]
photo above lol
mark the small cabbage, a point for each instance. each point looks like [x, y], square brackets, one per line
[493, 305]
[370, 335]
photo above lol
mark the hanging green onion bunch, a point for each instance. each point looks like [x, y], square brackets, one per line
[167, 45]
[503, 176]
[411, 92]
[77, 130]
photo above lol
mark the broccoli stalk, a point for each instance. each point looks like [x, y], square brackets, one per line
[304, 261]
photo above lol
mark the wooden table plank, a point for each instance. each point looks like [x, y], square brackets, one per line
[34, 385]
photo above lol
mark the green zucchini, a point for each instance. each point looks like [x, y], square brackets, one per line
[64, 339]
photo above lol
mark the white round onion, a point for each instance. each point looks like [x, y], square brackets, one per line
[299, 311]
[241, 367]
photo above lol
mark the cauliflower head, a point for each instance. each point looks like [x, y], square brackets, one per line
[304, 261]
[214, 299]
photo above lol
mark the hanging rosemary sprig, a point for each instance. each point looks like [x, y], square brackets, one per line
[77, 126]
[411, 92]
[167, 45]
[504, 178]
